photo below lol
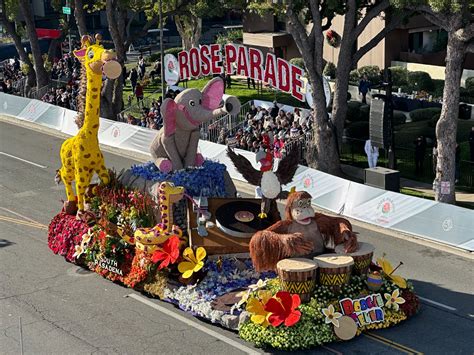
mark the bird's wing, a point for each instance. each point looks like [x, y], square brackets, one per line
[244, 167]
[287, 167]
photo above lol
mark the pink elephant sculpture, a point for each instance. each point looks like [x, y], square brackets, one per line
[175, 145]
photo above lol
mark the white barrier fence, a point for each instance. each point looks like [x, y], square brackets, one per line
[428, 219]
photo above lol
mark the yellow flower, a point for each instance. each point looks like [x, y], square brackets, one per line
[79, 251]
[194, 263]
[256, 306]
[331, 315]
[388, 270]
[393, 300]
[244, 296]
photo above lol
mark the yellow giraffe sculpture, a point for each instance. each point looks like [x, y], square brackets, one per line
[81, 155]
[168, 195]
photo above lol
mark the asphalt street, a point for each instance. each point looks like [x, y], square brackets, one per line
[50, 306]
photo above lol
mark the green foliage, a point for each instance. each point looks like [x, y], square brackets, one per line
[48, 66]
[330, 70]
[354, 77]
[357, 111]
[372, 72]
[438, 88]
[233, 36]
[434, 120]
[358, 130]
[424, 114]
[299, 62]
[470, 85]
[25, 68]
[420, 80]
[399, 76]
[399, 118]
[174, 51]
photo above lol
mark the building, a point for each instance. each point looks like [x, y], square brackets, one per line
[417, 45]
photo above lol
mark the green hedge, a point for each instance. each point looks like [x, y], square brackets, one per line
[156, 56]
[434, 120]
[330, 70]
[357, 111]
[424, 114]
[299, 62]
[399, 118]
[399, 76]
[358, 130]
[470, 85]
[420, 80]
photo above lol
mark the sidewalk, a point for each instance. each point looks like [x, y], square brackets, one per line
[358, 174]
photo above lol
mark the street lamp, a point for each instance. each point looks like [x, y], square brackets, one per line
[162, 53]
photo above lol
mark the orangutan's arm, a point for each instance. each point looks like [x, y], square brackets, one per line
[338, 228]
[269, 246]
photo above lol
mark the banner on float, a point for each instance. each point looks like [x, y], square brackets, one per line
[240, 60]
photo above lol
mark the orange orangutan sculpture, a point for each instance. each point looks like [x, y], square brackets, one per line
[302, 233]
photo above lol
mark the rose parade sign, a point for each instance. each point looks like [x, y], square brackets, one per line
[240, 60]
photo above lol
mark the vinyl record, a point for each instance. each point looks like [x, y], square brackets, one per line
[226, 221]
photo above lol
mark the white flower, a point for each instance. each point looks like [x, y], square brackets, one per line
[393, 300]
[260, 284]
[79, 251]
[331, 315]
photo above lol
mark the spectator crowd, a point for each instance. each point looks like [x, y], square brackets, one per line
[9, 73]
[271, 129]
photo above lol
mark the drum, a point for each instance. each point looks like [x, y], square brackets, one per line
[334, 270]
[298, 275]
[362, 257]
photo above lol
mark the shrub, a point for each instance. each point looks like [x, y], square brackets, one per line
[399, 118]
[354, 77]
[358, 130]
[434, 120]
[399, 76]
[438, 88]
[372, 72]
[353, 111]
[299, 62]
[420, 80]
[424, 114]
[364, 113]
[469, 84]
[330, 70]
[174, 51]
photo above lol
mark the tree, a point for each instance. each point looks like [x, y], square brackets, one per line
[42, 76]
[358, 15]
[190, 28]
[6, 14]
[80, 17]
[456, 18]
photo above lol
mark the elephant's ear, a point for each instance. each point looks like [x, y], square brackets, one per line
[212, 94]
[168, 112]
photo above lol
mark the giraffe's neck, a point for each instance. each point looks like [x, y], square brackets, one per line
[166, 210]
[92, 106]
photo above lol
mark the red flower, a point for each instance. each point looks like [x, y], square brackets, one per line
[283, 309]
[169, 253]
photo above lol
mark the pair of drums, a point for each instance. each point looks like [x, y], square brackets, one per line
[298, 275]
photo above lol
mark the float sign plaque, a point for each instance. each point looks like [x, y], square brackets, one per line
[365, 310]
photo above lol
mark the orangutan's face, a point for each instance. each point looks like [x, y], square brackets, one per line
[302, 212]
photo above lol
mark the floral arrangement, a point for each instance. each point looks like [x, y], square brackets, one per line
[207, 180]
[333, 38]
[126, 245]
[64, 233]
[278, 320]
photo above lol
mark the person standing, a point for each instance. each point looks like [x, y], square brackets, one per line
[133, 79]
[372, 153]
[420, 151]
[364, 88]
[139, 93]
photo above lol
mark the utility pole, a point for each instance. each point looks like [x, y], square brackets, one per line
[162, 53]
[69, 26]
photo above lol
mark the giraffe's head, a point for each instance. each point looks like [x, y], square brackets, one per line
[98, 60]
[173, 193]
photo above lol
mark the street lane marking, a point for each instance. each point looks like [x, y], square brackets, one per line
[194, 324]
[22, 216]
[449, 308]
[23, 160]
[392, 344]
[24, 223]
[331, 350]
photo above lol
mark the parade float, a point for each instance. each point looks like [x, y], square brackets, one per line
[187, 239]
